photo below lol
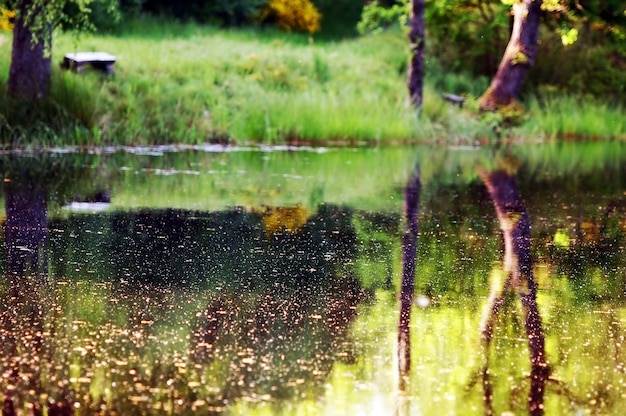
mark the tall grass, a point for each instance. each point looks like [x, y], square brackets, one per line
[571, 117]
[207, 85]
[185, 83]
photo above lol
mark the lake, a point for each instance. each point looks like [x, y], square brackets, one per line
[267, 280]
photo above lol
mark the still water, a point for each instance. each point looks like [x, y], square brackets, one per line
[267, 281]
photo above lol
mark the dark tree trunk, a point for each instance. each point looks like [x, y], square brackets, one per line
[417, 43]
[29, 74]
[515, 226]
[518, 57]
[409, 257]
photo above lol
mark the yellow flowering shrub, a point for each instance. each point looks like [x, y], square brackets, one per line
[292, 15]
[6, 20]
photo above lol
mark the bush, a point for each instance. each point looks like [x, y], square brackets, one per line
[104, 15]
[234, 12]
[339, 17]
[464, 37]
[290, 15]
[589, 66]
[225, 12]
[6, 20]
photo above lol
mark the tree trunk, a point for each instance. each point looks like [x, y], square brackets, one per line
[518, 57]
[417, 43]
[29, 74]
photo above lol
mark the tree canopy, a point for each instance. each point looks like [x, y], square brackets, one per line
[30, 71]
[42, 15]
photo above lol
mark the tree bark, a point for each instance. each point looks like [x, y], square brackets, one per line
[518, 57]
[416, 62]
[30, 71]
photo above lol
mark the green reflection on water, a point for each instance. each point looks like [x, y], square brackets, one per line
[174, 302]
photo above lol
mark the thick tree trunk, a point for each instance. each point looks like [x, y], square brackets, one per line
[417, 43]
[409, 259]
[518, 57]
[29, 74]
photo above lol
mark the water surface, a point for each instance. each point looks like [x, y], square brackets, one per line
[265, 281]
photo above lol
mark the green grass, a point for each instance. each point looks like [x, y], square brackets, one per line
[185, 83]
[570, 117]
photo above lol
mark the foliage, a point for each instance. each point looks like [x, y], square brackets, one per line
[41, 15]
[224, 12]
[607, 17]
[589, 66]
[97, 15]
[6, 19]
[465, 36]
[185, 83]
[292, 15]
[374, 16]
[45, 122]
[470, 37]
[339, 17]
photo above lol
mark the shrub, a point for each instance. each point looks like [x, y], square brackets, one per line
[340, 17]
[225, 12]
[590, 65]
[292, 15]
[6, 20]
[234, 12]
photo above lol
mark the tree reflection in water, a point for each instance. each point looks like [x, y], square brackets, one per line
[26, 229]
[279, 309]
[23, 327]
[407, 286]
[275, 345]
[518, 276]
[176, 311]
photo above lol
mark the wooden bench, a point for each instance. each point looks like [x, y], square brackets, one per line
[77, 62]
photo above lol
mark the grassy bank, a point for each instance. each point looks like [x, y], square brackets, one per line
[178, 83]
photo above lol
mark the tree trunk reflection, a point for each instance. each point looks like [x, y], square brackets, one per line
[21, 320]
[409, 254]
[26, 230]
[515, 226]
